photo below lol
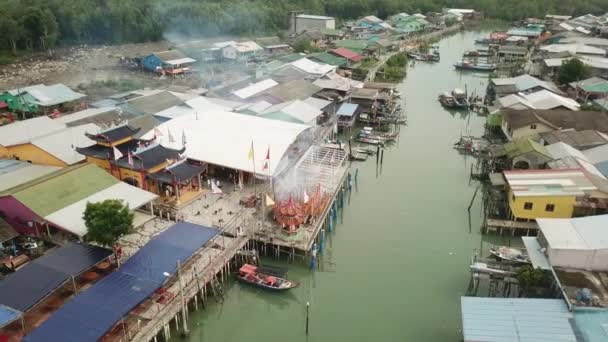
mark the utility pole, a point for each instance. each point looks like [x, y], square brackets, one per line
[181, 294]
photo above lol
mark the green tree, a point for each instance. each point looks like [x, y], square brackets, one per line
[303, 45]
[12, 32]
[107, 221]
[573, 70]
[530, 278]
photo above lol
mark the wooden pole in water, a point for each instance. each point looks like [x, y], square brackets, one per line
[181, 294]
[307, 313]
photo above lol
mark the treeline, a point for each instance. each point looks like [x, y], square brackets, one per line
[42, 24]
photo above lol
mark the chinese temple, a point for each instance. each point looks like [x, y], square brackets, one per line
[146, 164]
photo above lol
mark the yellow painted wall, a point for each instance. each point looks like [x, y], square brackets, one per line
[29, 152]
[102, 163]
[564, 206]
[527, 131]
[3, 152]
[126, 173]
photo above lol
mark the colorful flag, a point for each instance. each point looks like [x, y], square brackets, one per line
[117, 154]
[267, 160]
[184, 137]
[130, 158]
[250, 156]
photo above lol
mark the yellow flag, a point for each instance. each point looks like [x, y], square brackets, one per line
[250, 157]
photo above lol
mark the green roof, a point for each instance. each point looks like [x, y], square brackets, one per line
[596, 88]
[524, 146]
[331, 32]
[328, 58]
[352, 44]
[273, 65]
[281, 116]
[58, 190]
[290, 58]
[494, 119]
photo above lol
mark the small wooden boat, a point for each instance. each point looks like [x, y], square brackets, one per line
[425, 57]
[456, 99]
[482, 41]
[370, 141]
[473, 66]
[509, 254]
[266, 277]
[476, 53]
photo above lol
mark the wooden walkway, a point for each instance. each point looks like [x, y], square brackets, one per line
[507, 225]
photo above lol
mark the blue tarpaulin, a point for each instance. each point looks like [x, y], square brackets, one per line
[347, 109]
[26, 287]
[7, 315]
[90, 314]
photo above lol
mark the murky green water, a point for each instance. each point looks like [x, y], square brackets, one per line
[396, 265]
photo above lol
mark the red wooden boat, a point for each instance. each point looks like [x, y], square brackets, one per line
[265, 277]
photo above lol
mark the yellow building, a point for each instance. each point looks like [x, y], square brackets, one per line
[546, 193]
[44, 141]
[146, 164]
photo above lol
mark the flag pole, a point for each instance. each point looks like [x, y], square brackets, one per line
[255, 191]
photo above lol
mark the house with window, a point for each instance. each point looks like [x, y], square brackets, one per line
[171, 62]
[525, 153]
[536, 194]
[525, 123]
[242, 50]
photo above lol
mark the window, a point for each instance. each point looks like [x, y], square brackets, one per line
[550, 208]
[528, 206]
[533, 126]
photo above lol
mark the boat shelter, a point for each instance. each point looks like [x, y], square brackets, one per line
[39, 278]
[579, 243]
[92, 313]
[516, 319]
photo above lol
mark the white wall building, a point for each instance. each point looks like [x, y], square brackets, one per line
[305, 22]
[580, 243]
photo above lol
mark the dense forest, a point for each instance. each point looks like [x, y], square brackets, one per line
[43, 24]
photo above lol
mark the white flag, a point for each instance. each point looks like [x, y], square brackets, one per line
[117, 154]
[215, 189]
[305, 197]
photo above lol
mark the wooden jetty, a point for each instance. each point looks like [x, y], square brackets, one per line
[500, 226]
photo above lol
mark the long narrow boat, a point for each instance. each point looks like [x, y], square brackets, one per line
[268, 278]
[466, 65]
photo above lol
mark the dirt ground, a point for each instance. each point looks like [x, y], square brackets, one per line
[73, 66]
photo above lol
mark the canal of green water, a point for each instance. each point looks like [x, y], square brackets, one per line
[397, 263]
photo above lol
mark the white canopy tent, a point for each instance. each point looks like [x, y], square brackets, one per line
[580, 243]
[225, 138]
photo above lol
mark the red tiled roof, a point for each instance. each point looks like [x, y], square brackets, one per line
[348, 54]
[3, 104]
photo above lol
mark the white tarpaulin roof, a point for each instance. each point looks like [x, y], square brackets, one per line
[224, 138]
[180, 61]
[255, 88]
[70, 217]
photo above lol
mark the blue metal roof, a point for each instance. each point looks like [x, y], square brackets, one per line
[515, 319]
[347, 109]
[7, 315]
[592, 324]
[24, 288]
[90, 314]
[603, 167]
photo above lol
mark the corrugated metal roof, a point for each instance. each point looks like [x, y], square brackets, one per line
[592, 323]
[14, 172]
[52, 95]
[21, 132]
[316, 17]
[582, 233]
[71, 216]
[255, 88]
[548, 182]
[313, 68]
[49, 194]
[347, 109]
[62, 144]
[534, 249]
[515, 319]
